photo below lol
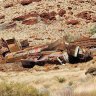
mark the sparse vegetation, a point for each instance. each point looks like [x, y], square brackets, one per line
[70, 37]
[93, 30]
[70, 83]
[17, 89]
[60, 79]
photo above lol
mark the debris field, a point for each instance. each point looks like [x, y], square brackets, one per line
[58, 52]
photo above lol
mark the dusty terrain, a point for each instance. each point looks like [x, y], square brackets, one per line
[44, 31]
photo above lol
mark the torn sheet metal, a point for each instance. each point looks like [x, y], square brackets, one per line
[13, 45]
[85, 43]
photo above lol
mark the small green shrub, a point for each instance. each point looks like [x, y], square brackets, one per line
[60, 79]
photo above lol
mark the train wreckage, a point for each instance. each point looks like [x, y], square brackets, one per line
[58, 52]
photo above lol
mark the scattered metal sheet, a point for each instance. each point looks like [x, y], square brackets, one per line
[13, 45]
[85, 42]
[57, 52]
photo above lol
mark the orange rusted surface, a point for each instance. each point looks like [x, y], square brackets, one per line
[85, 42]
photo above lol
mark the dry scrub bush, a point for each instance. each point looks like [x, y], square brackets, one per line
[60, 79]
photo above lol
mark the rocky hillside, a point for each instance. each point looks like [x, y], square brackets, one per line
[44, 21]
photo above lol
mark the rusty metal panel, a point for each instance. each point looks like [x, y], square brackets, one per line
[85, 42]
[13, 45]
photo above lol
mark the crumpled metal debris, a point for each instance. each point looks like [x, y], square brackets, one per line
[57, 52]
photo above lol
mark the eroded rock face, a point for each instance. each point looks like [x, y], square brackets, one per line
[85, 15]
[73, 22]
[30, 21]
[62, 12]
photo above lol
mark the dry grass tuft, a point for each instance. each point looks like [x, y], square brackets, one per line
[60, 79]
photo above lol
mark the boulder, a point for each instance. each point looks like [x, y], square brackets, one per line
[48, 16]
[30, 21]
[25, 2]
[44, 15]
[73, 22]
[52, 15]
[26, 16]
[62, 12]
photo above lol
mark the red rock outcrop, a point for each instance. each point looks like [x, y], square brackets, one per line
[44, 15]
[30, 21]
[48, 16]
[85, 15]
[26, 2]
[73, 22]
[62, 12]
[52, 15]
